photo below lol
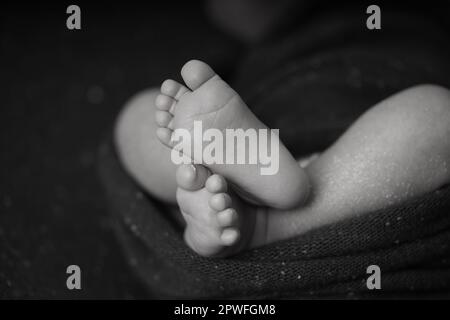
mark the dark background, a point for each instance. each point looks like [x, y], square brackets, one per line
[61, 91]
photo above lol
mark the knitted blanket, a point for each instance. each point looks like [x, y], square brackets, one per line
[311, 84]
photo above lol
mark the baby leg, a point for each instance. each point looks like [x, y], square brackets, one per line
[397, 150]
[141, 153]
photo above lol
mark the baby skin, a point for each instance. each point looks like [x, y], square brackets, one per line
[395, 151]
[218, 223]
[210, 100]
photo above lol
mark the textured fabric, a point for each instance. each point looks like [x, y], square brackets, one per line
[410, 243]
[311, 85]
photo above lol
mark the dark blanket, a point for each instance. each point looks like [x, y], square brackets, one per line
[410, 243]
[311, 85]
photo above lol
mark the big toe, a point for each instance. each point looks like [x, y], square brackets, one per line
[195, 73]
[192, 177]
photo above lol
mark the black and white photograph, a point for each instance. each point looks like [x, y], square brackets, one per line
[241, 150]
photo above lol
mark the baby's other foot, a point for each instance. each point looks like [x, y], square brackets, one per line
[216, 224]
[209, 100]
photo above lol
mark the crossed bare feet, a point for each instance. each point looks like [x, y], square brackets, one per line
[221, 222]
[381, 160]
[211, 101]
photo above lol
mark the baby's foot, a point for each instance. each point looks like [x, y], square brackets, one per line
[209, 100]
[217, 222]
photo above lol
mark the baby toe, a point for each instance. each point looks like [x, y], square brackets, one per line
[164, 103]
[173, 89]
[227, 217]
[191, 177]
[195, 73]
[229, 236]
[163, 118]
[216, 183]
[169, 87]
[220, 201]
[165, 136]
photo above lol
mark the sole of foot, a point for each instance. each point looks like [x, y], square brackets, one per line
[210, 100]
